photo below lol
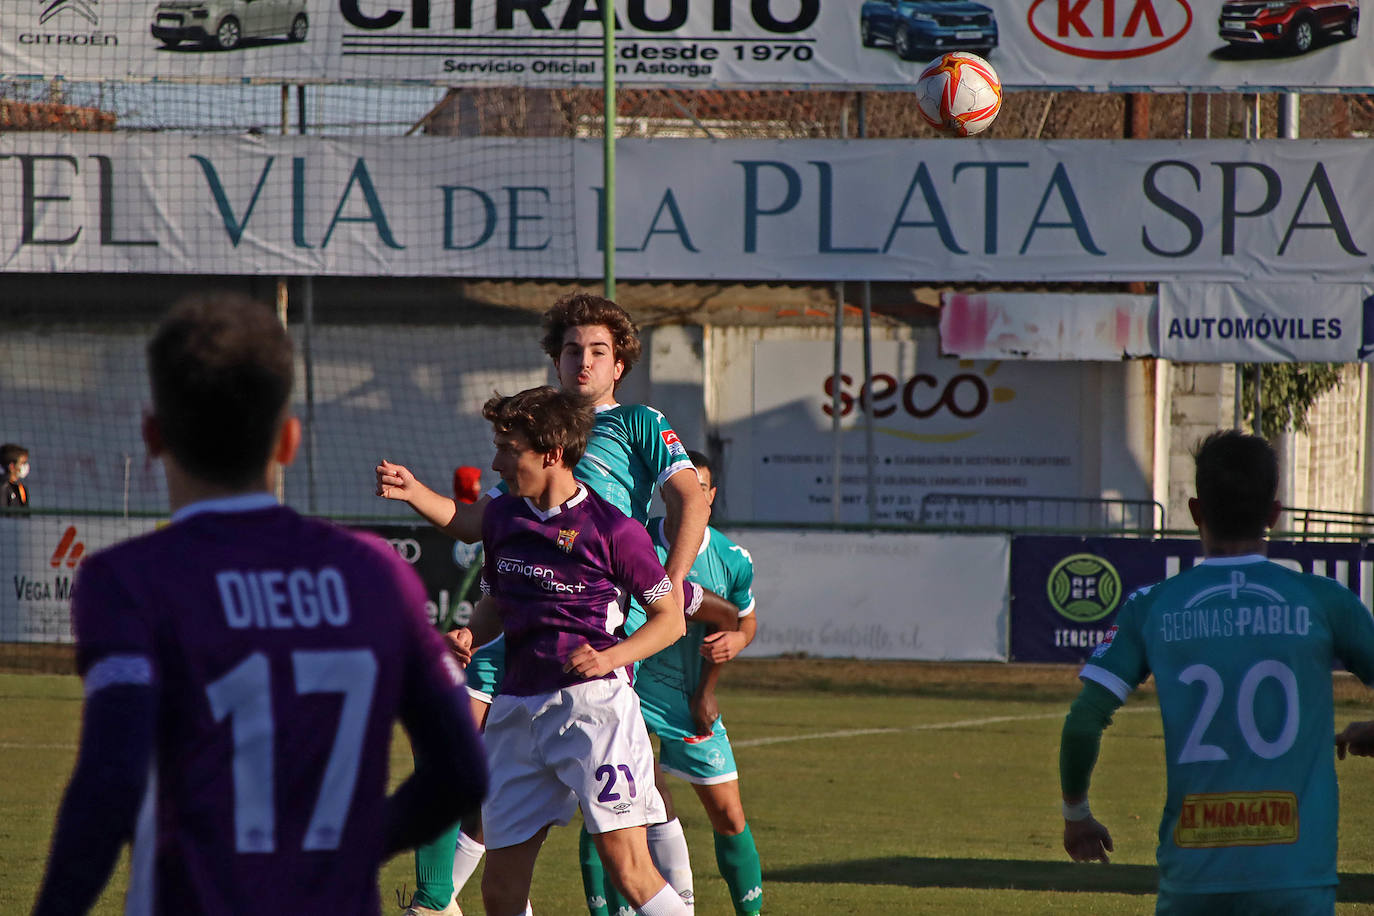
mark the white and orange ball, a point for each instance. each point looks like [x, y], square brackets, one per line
[959, 94]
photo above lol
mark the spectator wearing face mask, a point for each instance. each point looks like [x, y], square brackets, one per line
[15, 458]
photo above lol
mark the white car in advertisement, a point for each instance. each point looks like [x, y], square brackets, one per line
[222, 25]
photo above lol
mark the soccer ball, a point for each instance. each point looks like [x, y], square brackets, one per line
[959, 94]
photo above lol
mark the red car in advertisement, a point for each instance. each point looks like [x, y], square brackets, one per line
[1292, 25]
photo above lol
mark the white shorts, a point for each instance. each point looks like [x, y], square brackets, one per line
[583, 745]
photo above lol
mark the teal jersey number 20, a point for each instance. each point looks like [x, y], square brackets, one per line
[1241, 650]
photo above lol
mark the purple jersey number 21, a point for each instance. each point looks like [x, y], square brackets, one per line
[607, 772]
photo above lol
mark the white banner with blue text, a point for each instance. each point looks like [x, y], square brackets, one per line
[940, 211]
[1266, 323]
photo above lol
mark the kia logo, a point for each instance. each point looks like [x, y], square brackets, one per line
[1109, 29]
[407, 549]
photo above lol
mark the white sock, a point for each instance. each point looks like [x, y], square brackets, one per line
[466, 857]
[665, 903]
[668, 847]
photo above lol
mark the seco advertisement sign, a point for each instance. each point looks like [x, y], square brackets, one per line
[940, 426]
[821, 44]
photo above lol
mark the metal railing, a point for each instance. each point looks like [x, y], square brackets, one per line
[1300, 524]
[984, 511]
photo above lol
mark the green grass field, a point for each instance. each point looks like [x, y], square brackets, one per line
[871, 788]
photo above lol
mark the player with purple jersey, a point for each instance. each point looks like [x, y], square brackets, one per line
[562, 580]
[566, 729]
[244, 667]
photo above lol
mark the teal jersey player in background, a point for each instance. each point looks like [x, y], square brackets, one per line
[1241, 650]
[632, 451]
[676, 690]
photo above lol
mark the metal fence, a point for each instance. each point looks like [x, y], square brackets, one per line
[1042, 513]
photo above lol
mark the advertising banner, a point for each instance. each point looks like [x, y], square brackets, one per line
[835, 44]
[940, 425]
[689, 209]
[449, 569]
[837, 595]
[1052, 326]
[1272, 323]
[38, 563]
[1066, 591]
[43, 553]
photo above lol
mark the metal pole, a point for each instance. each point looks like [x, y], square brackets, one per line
[1289, 113]
[308, 359]
[1258, 426]
[837, 455]
[870, 459]
[608, 143]
[280, 487]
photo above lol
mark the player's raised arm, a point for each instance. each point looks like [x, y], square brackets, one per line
[684, 522]
[461, 521]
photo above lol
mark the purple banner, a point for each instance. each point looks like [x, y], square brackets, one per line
[1066, 591]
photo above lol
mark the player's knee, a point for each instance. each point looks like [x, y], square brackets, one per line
[728, 821]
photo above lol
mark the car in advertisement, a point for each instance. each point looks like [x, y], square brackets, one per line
[923, 29]
[1289, 25]
[222, 25]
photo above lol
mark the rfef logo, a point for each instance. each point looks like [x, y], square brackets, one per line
[1109, 29]
[1084, 587]
[68, 548]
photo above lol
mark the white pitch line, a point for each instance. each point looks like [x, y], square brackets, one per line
[759, 742]
[925, 727]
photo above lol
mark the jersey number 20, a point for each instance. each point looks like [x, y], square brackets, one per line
[244, 695]
[1195, 751]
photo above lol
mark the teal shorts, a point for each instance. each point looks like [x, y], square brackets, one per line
[1287, 901]
[486, 670]
[703, 760]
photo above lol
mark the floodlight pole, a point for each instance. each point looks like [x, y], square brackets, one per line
[608, 145]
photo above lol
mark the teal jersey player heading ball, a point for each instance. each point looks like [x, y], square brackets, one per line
[1241, 651]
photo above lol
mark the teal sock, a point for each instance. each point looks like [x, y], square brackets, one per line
[593, 875]
[738, 860]
[434, 870]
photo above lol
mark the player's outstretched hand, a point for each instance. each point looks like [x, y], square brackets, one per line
[721, 646]
[1357, 739]
[460, 644]
[1087, 840]
[394, 481]
[588, 662]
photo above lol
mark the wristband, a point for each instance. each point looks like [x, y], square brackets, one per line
[693, 595]
[1078, 812]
